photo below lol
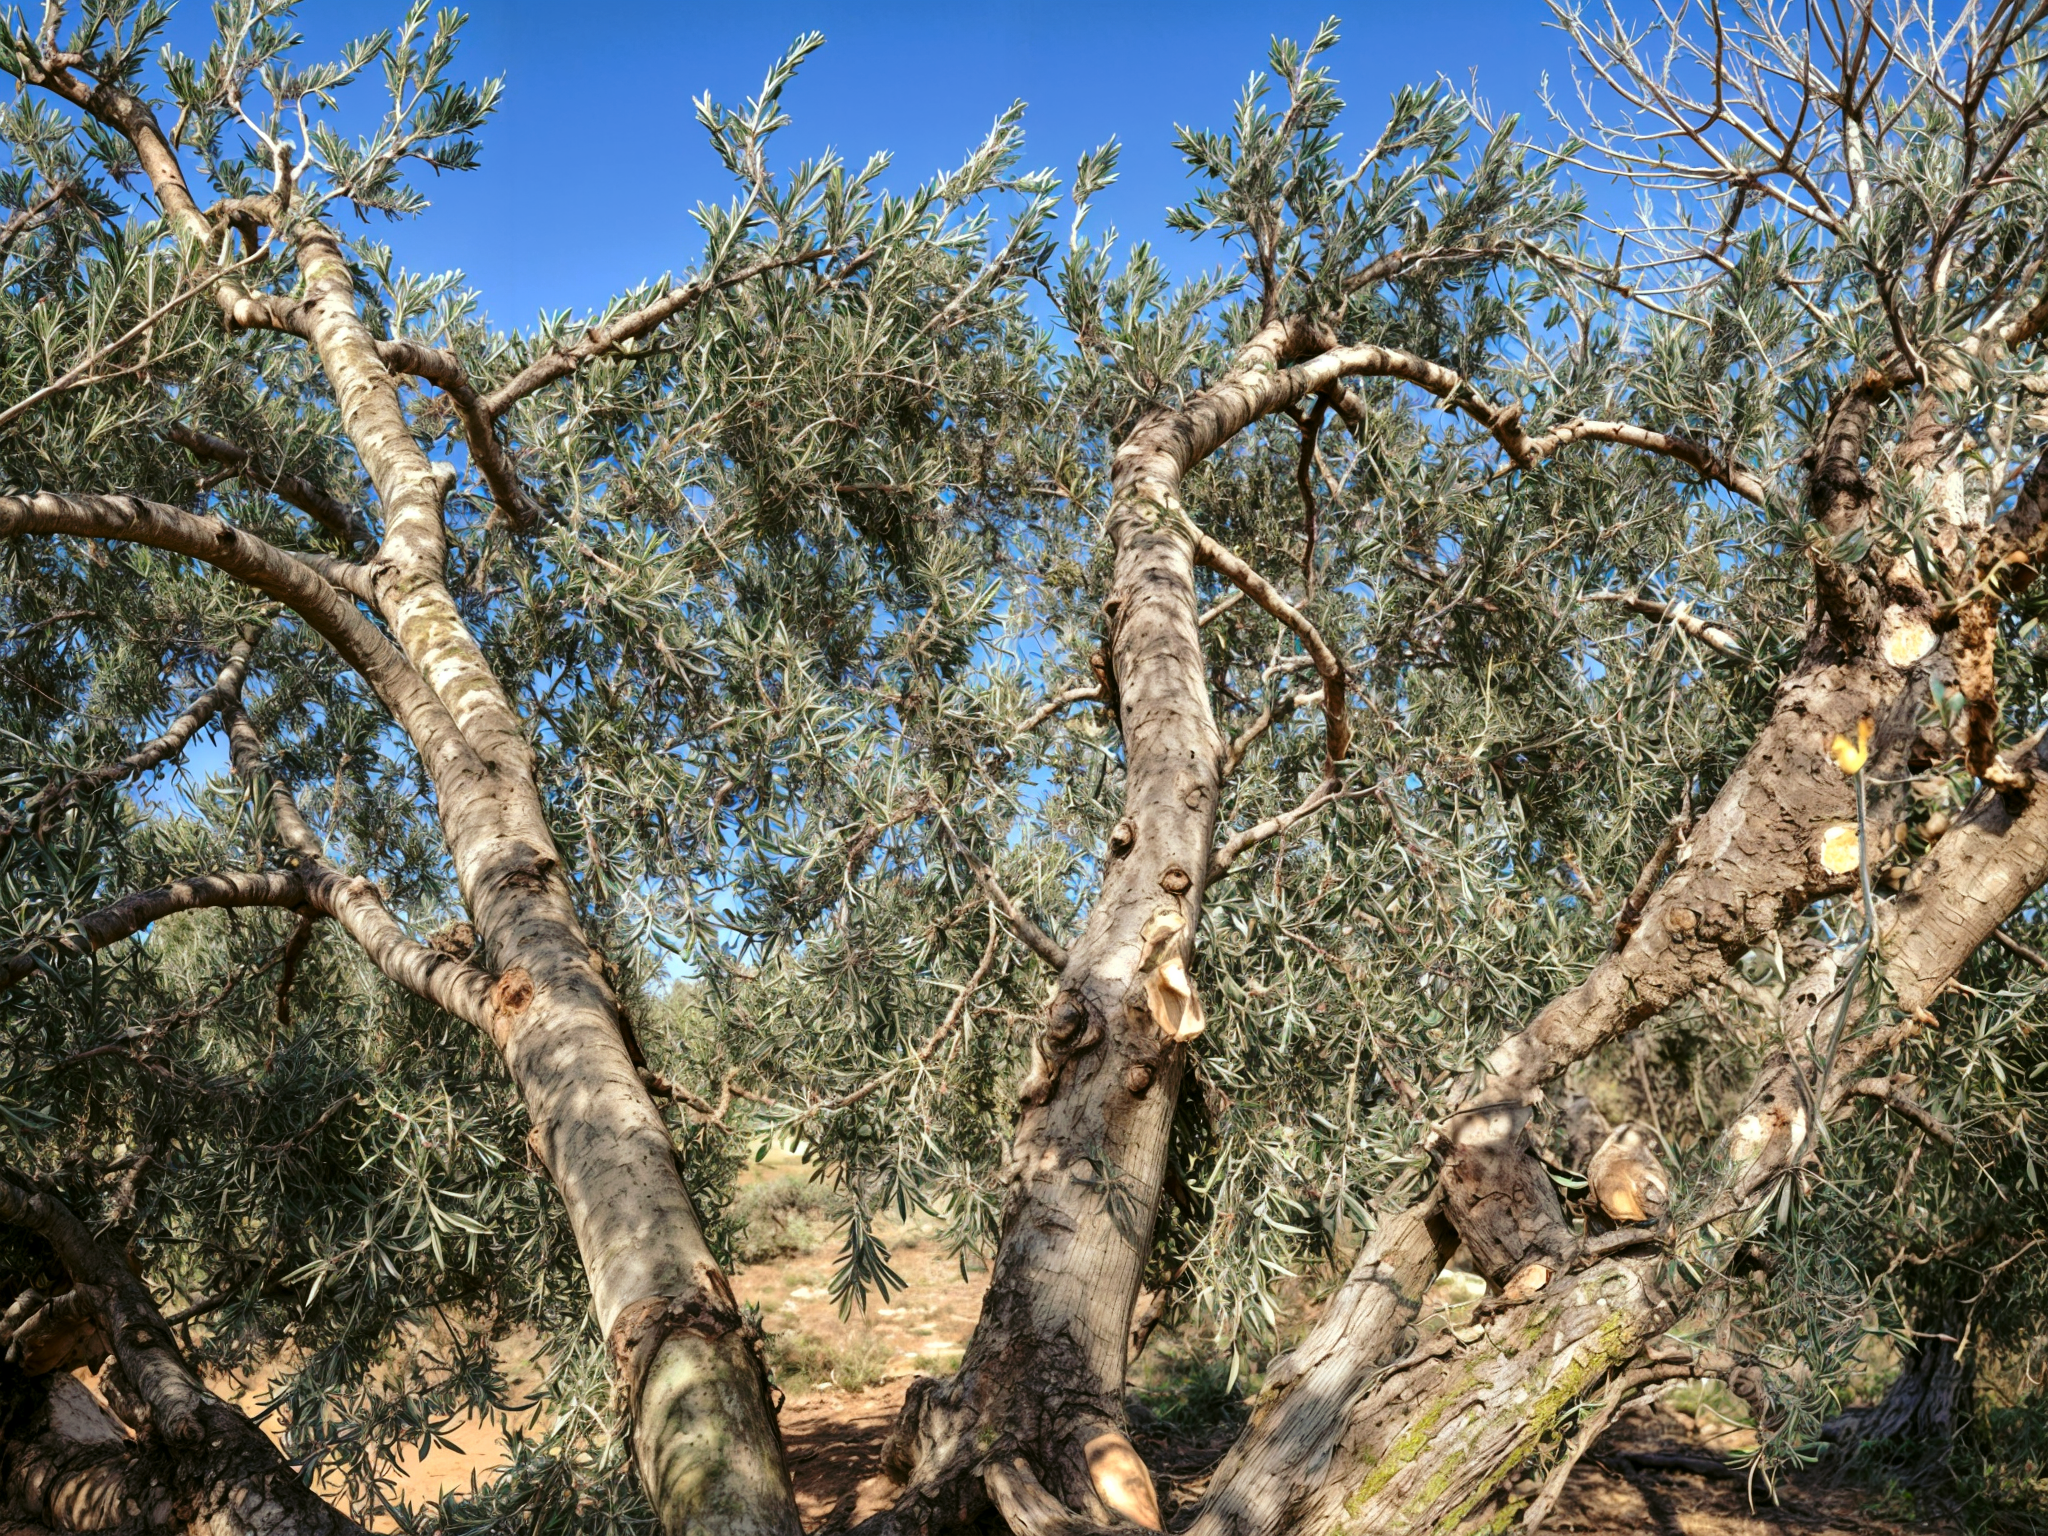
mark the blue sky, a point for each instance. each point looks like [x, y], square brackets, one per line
[595, 160]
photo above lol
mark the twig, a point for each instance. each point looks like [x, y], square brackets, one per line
[1896, 1097]
[76, 374]
[1337, 729]
[940, 1035]
[1713, 636]
[1091, 692]
[1035, 938]
[226, 689]
[1209, 616]
[599, 340]
[1328, 792]
[1631, 914]
[2026, 952]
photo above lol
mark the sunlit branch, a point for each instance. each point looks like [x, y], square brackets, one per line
[1679, 615]
[601, 340]
[134, 912]
[336, 516]
[439, 368]
[1090, 693]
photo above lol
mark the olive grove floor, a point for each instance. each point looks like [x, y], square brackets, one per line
[846, 1379]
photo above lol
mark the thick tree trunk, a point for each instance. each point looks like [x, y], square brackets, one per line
[1927, 1404]
[1039, 1394]
[183, 1462]
[705, 1437]
[692, 1378]
[1453, 1430]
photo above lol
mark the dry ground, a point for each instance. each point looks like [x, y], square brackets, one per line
[1659, 1472]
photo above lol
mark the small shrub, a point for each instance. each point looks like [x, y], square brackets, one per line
[779, 1219]
[798, 1361]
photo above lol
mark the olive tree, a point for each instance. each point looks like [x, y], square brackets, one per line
[1191, 781]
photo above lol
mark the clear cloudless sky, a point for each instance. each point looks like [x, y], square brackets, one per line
[595, 159]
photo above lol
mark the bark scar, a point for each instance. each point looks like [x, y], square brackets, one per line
[643, 1326]
[513, 992]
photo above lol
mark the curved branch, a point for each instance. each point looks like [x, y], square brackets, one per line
[1090, 693]
[227, 688]
[275, 573]
[1505, 421]
[1035, 938]
[1336, 714]
[336, 516]
[439, 368]
[452, 984]
[136, 911]
[133, 118]
[601, 340]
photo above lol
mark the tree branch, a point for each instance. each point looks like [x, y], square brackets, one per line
[1712, 636]
[1898, 1098]
[336, 516]
[227, 688]
[239, 1484]
[598, 341]
[439, 368]
[452, 984]
[35, 214]
[2026, 952]
[1091, 692]
[290, 580]
[1336, 713]
[1328, 792]
[1505, 421]
[1035, 938]
[136, 911]
[944, 1032]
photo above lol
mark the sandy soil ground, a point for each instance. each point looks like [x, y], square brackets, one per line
[1659, 1472]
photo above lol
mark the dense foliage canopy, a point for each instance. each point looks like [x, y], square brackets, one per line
[793, 574]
